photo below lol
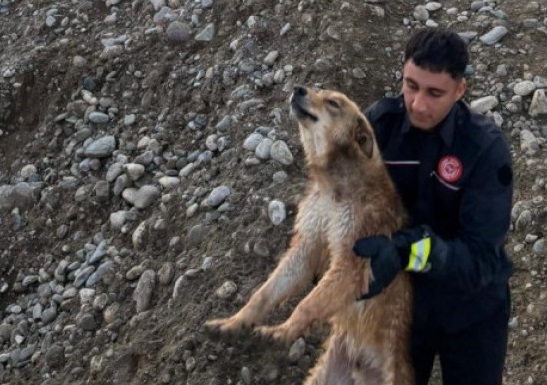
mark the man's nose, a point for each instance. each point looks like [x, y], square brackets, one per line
[419, 103]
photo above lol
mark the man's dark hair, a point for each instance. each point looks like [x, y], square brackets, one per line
[438, 50]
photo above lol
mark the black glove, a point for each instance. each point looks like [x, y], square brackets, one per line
[421, 251]
[415, 250]
[384, 261]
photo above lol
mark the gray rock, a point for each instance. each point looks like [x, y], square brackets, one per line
[476, 5]
[87, 322]
[178, 32]
[157, 4]
[98, 253]
[297, 350]
[196, 234]
[98, 275]
[494, 35]
[143, 197]
[111, 52]
[143, 292]
[98, 117]
[166, 273]
[217, 196]
[224, 124]
[540, 247]
[271, 58]
[101, 148]
[55, 356]
[49, 315]
[23, 195]
[163, 16]
[252, 141]
[207, 33]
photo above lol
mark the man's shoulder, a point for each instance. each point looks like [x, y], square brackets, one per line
[481, 130]
[384, 107]
[478, 127]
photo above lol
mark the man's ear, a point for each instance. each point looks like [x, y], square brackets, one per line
[365, 137]
[461, 88]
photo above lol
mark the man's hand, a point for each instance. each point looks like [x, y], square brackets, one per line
[415, 250]
[384, 261]
[421, 251]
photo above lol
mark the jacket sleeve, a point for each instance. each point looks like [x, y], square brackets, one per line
[476, 256]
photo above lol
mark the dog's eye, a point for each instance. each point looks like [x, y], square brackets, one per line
[333, 103]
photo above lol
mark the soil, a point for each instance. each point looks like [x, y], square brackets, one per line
[167, 344]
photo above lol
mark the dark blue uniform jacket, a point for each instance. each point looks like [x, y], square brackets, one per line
[458, 180]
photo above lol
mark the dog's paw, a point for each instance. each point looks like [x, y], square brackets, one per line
[225, 326]
[282, 334]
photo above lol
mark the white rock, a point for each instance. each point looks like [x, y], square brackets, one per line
[227, 289]
[169, 182]
[539, 103]
[281, 153]
[143, 197]
[421, 13]
[211, 142]
[134, 170]
[276, 212]
[28, 170]
[117, 219]
[433, 6]
[524, 88]
[263, 149]
[484, 104]
[528, 143]
[138, 234]
[157, 4]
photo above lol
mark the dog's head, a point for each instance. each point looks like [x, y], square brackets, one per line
[331, 124]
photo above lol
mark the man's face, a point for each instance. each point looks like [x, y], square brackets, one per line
[429, 96]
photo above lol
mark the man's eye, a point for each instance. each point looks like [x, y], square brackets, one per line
[333, 103]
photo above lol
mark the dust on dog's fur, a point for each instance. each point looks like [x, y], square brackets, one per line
[350, 195]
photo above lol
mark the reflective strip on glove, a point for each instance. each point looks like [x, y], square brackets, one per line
[419, 254]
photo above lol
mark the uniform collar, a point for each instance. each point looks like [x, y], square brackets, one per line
[445, 129]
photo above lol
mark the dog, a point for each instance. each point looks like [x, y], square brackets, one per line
[350, 195]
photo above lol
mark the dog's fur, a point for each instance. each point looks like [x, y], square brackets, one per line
[350, 196]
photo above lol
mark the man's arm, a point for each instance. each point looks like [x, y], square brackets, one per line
[476, 255]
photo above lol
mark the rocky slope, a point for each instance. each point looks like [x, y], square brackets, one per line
[149, 171]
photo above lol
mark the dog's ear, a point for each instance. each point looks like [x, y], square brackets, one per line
[365, 137]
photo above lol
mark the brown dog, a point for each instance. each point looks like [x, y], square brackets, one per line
[350, 195]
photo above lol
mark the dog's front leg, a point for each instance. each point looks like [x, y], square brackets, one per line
[295, 271]
[339, 288]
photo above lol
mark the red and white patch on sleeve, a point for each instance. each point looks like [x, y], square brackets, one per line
[450, 169]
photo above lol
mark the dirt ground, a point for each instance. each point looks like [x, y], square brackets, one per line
[346, 46]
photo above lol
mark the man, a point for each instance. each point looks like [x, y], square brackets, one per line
[452, 169]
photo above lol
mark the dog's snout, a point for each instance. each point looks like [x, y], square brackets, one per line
[300, 91]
